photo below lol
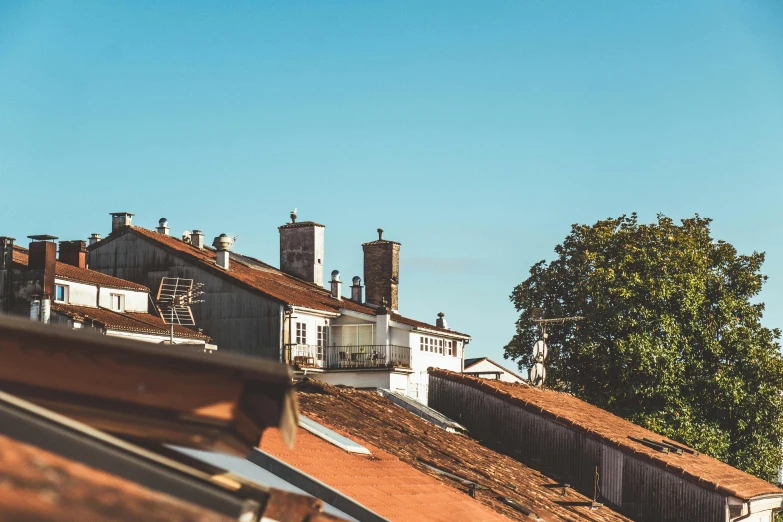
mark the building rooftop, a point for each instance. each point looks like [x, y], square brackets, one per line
[374, 421]
[257, 276]
[80, 275]
[380, 482]
[566, 409]
[138, 322]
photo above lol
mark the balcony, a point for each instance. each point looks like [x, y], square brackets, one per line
[375, 356]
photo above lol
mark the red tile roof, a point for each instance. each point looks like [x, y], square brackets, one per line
[381, 482]
[41, 486]
[261, 277]
[611, 429]
[80, 275]
[140, 322]
[375, 422]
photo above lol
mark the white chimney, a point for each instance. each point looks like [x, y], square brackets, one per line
[197, 239]
[441, 322]
[356, 290]
[222, 244]
[120, 219]
[94, 238]
[337, 285]
[163, 227]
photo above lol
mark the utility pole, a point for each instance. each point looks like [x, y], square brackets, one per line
[537, 373]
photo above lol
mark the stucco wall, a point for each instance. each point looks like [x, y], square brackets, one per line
[488, 366]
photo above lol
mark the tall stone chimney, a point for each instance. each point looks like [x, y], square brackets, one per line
[120, 219]
[381, 271]
[302, 250]
[74, 253]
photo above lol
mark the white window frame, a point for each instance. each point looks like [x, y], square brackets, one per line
[320, 341]
[66, 293]
[120, 299]
[301, 332]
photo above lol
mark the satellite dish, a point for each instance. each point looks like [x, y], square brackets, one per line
[538, 374]
[540, 350]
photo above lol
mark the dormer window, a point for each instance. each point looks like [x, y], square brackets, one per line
[117, 302]
[61, 293]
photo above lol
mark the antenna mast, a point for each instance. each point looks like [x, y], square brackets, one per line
[174, 299]
[537, 373]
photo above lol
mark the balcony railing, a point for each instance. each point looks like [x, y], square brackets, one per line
[346, 357]
[368, 356]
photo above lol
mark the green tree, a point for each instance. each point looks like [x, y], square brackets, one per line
[671, 337]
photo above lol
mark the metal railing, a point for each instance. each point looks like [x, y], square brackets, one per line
[305, 355]
[368, 356]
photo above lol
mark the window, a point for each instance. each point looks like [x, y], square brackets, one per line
[301, 333]
[117, 302]
[439, 346]
[61, 293]
[320, 341]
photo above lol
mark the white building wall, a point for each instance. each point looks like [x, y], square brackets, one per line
[421, 360]
[395, 381]
[135, 301]
[79, 294]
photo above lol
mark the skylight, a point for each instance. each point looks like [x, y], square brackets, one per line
[332, 437]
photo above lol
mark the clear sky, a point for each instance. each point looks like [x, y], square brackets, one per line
[475, 133]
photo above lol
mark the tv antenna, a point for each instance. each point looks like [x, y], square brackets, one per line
[174, 299]
[537, 373]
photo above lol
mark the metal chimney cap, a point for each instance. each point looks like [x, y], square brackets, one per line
[293, 216]
[380, 234]
[43, 237]
[357, 281]
[163, 222]
[441, 315]
[335, 275]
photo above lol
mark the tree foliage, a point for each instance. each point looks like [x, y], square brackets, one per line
[671, 337]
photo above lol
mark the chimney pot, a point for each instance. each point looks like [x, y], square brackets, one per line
[222, 244]
[337, 285]
[356, 290]
[163, 227]
[197, 239]
[94, 238]
[441, 322]
[120, 219]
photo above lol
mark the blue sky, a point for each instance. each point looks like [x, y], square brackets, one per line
[475, 133]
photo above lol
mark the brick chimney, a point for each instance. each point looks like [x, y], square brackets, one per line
[120, 219]
[42, 261]
[381, 271]
[74, 253]
[302, 250]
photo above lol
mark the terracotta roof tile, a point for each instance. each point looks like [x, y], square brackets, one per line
[567, 409]
[38, 485]
[264, 278]
[80, 275]
[376, 422]
[140, 322]
[381, 482]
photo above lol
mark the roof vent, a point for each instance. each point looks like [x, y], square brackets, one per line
[120, 219]
[337, 285]
[186, 235]
[293, 216]
[223, 244]
[163, 226]
[356, 290]
[94, 238]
